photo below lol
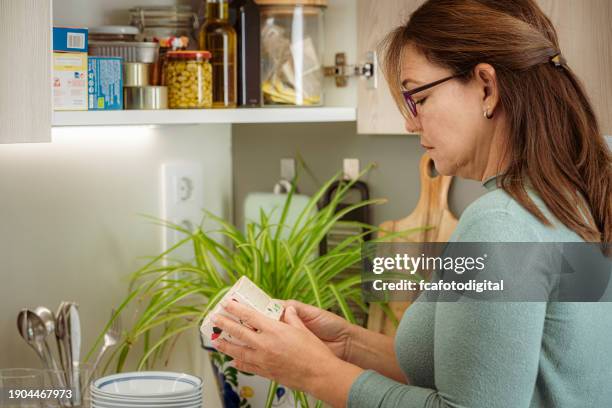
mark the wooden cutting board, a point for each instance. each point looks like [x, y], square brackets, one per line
[431, 210]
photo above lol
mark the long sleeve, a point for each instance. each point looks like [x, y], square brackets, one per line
[486, 354]
[372, 389]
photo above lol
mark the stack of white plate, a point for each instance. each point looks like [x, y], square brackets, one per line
[147, 389]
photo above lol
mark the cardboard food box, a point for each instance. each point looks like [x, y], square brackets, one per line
[105, 83]
[70, 39]
[69, 81]
[247, 293]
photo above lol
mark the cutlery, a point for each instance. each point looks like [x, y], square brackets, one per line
[34, 332]
[48, 319]
[111, 338]
[74, 330]
[61, 334]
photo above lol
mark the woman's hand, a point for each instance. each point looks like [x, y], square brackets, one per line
[330, 328]
[285, 351]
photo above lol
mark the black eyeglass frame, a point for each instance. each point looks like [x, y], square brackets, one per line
[408, 94]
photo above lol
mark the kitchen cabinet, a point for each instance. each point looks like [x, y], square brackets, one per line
[25, 71]
[585, 36]
[25, 93]
[340, 104]
[353, 27]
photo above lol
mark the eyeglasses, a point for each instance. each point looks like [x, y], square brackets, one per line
[412, 105]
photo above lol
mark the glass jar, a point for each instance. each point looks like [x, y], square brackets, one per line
[188, 76]
[219, 37]
[292, 38]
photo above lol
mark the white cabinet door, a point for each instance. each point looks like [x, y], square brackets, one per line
[25, 71]
[376, 110]
[585, 38]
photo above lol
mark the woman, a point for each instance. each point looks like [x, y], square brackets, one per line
[485, 86]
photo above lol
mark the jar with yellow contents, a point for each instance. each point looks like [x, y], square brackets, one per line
[188, 76]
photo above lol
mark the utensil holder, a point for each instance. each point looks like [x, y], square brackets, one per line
[14, 382]
[74, 396]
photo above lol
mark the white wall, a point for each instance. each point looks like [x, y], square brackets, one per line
[70, 224]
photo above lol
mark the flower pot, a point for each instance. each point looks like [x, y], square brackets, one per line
[243, 390]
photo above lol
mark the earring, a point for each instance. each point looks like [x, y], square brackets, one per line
[487, 115]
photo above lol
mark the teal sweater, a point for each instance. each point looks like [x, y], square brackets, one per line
[507, 355]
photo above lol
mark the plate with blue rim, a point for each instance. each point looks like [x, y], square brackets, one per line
[161, 386]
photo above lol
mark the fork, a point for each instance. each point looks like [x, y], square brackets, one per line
[111, 338]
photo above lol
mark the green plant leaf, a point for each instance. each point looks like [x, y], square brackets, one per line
[315, 287]
[122, 306]
[303, 400]
[122, 357]
[164, 338]
[271, 394]
[389, 313]
[346, 310]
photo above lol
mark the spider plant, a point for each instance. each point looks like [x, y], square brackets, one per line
[282, 259]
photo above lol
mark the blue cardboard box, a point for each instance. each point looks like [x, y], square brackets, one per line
[69, 39]
[105, 80]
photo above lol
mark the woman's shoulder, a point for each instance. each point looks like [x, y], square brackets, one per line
[497, 217]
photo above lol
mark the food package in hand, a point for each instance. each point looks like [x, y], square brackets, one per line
[247, 293]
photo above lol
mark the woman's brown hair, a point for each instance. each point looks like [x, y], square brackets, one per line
[554, 136]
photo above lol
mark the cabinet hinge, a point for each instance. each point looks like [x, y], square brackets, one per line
[342, 71]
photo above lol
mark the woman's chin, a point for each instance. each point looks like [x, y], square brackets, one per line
[443, 167]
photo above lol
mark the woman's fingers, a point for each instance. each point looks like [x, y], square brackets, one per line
[236, 330]
[248, 367]
[240, 353]
[291, 317]
[304, 311]
[295, 303]
[248, 315]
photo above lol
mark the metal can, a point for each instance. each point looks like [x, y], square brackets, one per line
[146, 52]
[188, 76]
[136, 74]
[145, 97]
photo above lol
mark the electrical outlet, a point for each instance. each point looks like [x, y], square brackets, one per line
[182, 202]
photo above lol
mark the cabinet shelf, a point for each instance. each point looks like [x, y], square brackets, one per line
[201, 116]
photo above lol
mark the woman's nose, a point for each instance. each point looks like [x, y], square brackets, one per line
[412, 126]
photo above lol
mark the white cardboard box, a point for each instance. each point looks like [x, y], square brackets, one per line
[247, 293]
[69, 81]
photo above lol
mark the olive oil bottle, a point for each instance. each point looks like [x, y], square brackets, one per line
[219, 37]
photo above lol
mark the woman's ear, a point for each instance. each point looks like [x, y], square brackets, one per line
[486, 79]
